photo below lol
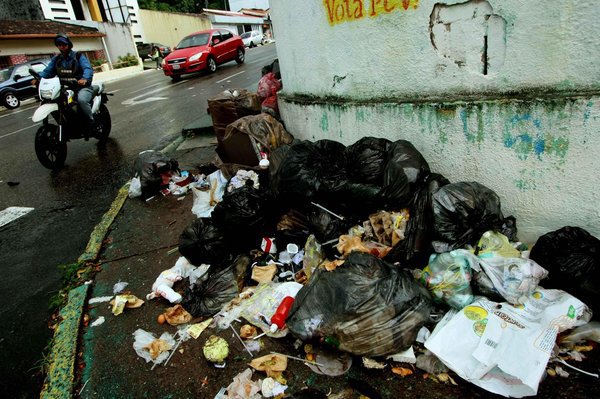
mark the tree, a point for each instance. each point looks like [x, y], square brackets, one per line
[189, 6]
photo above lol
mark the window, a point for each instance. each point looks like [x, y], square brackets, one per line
[22, 71]
[39, 67]
[226, 35]
[216, 36]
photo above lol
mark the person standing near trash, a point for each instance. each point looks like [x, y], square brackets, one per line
[157, 56]
[73, 69]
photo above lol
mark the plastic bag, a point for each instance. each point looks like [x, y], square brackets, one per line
[203, 242]
[367, 159]
[206, 199]
[208, 297]
[241, 216]
[572, 257]
[148, 166]
[448, 278]
[502, 348]
[464, 211]
[415, 249]
[150, 348]
[405, 167]
[367, 306]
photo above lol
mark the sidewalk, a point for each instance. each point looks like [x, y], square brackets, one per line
[137, 248]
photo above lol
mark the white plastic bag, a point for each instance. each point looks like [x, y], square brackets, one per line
[135, 188]
[502, 348]
[206, 200]
[143, 340]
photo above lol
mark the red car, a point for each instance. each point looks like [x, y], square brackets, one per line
[203, 51]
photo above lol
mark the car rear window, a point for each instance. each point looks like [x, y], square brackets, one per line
[194, 40]
[5, 74]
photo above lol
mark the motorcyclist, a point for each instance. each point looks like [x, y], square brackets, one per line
[74, 70]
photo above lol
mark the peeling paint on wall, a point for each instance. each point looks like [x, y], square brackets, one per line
[339, 11]
[525, 135]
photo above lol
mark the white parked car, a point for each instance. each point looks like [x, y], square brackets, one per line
[252, 38]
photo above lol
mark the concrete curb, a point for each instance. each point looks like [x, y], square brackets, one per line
[60, 378]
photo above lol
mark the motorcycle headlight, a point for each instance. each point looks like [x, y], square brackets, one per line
[195, 57]
[46, 94]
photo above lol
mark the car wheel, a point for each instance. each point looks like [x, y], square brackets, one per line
[176, 78]
[212, 65]
[240, 56]
[10, 100]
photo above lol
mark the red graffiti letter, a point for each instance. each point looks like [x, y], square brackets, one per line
[373, 5]
[405, 4]
[330, 4]
[388, 9]
[338, 8]
[358, 11]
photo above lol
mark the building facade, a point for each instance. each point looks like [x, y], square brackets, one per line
[502, 92]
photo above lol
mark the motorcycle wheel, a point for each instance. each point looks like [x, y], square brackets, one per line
[50, 151]
[105, 124]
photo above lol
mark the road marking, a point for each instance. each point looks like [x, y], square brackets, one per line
[16, 112]
[12, 213]
[133, 100]
[145, 88]
[229, 77]
[191, 88]
[17, 131]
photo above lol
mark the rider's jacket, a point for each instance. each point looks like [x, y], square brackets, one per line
[69, 68]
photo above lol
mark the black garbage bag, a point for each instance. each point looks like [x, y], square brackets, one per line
[415, 249]
[368, 306]
[148, 166]
[572, 257]
[241, 216]
[203, 242]
[405, 167]
[464, 211]
[367, 159]
[208, 297]
[309, 170]
[327, 227]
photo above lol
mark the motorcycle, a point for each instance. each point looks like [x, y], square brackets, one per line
[60, 102]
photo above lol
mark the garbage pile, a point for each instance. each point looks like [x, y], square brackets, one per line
[363, 250]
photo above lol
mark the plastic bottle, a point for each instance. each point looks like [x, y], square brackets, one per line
[279, 317]
[493, 243]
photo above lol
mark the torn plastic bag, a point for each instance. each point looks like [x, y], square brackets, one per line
[503, 348]
[325, 226]
[448, 277]
[368, 306]
[572, 257]
[148, 166]
[208, 297]
[415, 249]
[203, 242]
[405, 167]
[367, 159]
[464, 211]
[241, 216]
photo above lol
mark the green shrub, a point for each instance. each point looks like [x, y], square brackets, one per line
[96, 63]
[126, 61]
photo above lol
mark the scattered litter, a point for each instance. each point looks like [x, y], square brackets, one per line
[429, 363]
[100, 299]
[242, 387]
[273, 364]
[176, 315]
[216, 350]
[150, 348]
[247, 331]
[408, 356]
[125, 301]
[97, 322]
[119, 287]
[329, 363]
[196, 329]
[373, 364]
[271, 388]
[401, 371]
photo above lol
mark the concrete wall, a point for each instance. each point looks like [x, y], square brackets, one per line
[46, 46]
[500, 92]
[169, 28]
[119, 38]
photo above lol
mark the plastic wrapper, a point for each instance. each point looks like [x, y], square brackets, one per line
[464, 211]
[572, 257]
[148, 166]
[503, 348]
[203, 242]
[150, 348]
[368, 307]
[448, 278]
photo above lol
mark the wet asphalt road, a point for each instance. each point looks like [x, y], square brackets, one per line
[148, 112]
